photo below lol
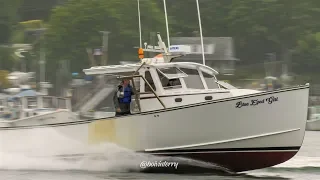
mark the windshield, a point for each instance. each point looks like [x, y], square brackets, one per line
[226, 85]
[172, 73]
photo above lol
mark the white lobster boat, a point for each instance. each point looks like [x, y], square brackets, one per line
[180, 109]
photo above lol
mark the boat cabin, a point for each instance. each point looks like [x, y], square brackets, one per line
[3, 106]
[163, 85]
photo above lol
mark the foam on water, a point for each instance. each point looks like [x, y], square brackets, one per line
[299, 167]
[114, 159]
[301, 162]
[44, 146]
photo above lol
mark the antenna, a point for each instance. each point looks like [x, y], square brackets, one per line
[167, 56]
[202, 47]
[139, 23]
[166, 17]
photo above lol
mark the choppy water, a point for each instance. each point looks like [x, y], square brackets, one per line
[116, 164]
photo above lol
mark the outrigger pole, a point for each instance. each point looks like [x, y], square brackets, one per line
[162, 48]
[166, 17]
[139, 23]
[201, 38]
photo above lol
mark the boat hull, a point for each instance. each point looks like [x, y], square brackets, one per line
[223, 132]
[238, 160]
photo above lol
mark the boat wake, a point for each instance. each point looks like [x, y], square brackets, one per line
[299, 163]
[67, 154]
[298, 166]
[113, 159]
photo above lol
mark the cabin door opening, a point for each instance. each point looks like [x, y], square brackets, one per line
[135, 101]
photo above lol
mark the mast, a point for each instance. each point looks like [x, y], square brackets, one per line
[42, 62]
[201, 38]
[162, 48]
[139, 23]
[166, 17]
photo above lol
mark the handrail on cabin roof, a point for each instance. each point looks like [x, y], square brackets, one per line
[124, 68]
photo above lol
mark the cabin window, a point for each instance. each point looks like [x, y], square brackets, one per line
[136, 82]
[48, 102]
[62, 103]
[106, 105]
[225, 85]
[148, 77]
[18, 103]
[172, 73]
[115, 81]
[169, 83]
[31, 102]
[210, 80]
[193, 80]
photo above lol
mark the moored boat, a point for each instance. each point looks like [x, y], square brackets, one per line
[313, 122]
[29, 110]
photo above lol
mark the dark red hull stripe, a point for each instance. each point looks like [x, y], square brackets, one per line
[293, 148]
[238, 161]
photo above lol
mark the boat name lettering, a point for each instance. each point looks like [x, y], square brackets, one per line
[256, 102]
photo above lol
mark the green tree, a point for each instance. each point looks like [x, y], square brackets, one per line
[8, 19]
[184, 17]
[75, 26]
[7, 60]
[262, 26]
[37, 9]
[307, 54]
